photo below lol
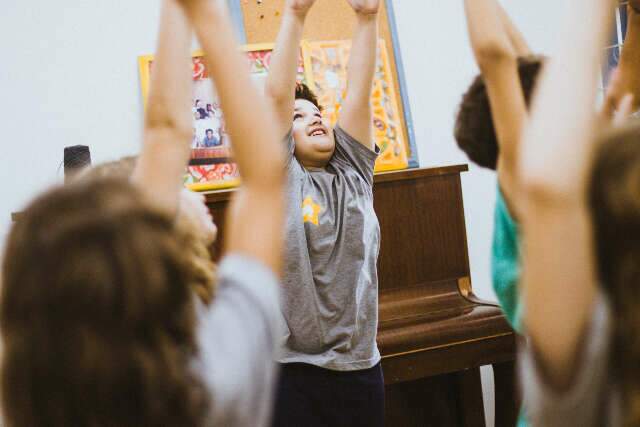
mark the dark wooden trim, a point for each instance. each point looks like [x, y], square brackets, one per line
[418, 173]
[383, 177]
[219, 195]
[463, 221]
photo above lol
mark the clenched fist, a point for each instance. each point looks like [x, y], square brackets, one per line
[365, 7]
[299, 7]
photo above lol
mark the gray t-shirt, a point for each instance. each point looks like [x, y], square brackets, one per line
[238, 336]
[330, 283]
[592, 400]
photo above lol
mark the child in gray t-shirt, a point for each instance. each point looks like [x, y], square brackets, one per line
[330, 280]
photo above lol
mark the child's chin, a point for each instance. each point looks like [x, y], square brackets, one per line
[323, 146]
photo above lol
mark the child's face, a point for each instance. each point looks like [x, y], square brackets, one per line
[312, 135]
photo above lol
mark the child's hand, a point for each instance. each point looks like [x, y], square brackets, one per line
[300, 7]
[365, 7]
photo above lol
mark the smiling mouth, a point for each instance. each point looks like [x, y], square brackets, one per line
[318, 132]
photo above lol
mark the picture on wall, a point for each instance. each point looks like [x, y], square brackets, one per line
[323, 66]
[615, 45]
[326, 72]
[211, 165]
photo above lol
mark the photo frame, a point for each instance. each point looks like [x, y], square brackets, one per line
[211, 165]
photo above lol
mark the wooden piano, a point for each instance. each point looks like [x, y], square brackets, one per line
[433, 334]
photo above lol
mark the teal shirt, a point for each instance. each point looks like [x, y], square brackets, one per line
[505, 262]
[505, 267]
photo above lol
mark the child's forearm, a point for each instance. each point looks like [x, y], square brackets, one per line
[362, 60]
[565, 126]
[356, 115]
[516, 37]
[488, 35]
[283, 67]
[168, 124]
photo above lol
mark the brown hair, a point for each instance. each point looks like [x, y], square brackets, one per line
[196, 251]
[474, 129]
[614, 198]
[97, 324]
[304, 92]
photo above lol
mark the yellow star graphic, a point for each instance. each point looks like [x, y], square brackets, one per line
[310, 211]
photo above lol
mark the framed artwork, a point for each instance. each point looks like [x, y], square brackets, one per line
[323, 66]
[211, 165]
[326, 74]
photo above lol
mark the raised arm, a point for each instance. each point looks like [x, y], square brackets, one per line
[356, 115]
[498, 61]
[281, 82]
[256, 216]
[558, 282]
[516, 38]
[167, 124]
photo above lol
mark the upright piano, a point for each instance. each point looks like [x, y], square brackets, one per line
[433, 333]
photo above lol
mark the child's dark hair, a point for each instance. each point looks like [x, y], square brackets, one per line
[474, 130]
[303, 92]
[108, 298]
[614, 202]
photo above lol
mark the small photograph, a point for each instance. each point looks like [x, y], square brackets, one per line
[208, 122]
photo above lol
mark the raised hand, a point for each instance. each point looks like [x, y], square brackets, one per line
[365, 7]
[299, 7]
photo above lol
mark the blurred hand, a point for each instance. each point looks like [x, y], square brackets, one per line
[194, 210]
[365, 7]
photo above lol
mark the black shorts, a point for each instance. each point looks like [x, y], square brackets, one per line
[309, 396]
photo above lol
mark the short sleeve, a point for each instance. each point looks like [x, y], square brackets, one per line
[289, 146]
[582, 403]
[238, 337]
[351, 153]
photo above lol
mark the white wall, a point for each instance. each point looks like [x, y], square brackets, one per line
[68, 75]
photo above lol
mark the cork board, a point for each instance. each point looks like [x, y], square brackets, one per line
[327, 20]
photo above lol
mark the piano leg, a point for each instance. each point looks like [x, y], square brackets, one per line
[507, 397]
[469, 396]
[450, 400]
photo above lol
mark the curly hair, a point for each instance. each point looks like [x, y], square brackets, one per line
[304, 92]
[474, 129]
[198, 253]
[614, 199]
[97, 325]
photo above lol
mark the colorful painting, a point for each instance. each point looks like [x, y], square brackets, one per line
[211, 165]
[323, 67]
[326, 73]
